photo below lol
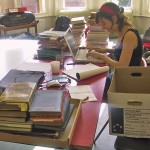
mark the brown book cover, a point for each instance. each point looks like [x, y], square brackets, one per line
[13, 113]
[20, 94]
[13, 119]
[28, 124]
[47, 103]
[55, 127]
[4, 106]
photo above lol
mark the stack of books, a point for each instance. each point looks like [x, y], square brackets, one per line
[78, 25]
[96, 37]
[14, 105]
[50, 112]
[51, 44]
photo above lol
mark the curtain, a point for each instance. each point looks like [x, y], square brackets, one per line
[141, 7]
[4, 4]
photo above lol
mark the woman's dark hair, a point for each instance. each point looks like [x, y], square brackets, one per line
[108, 10]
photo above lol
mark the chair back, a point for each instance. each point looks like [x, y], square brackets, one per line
[143, 62]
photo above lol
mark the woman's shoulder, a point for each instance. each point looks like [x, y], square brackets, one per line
[134, 30]
[131, 32]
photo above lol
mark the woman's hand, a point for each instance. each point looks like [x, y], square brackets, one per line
[94, 54]
[100, 50]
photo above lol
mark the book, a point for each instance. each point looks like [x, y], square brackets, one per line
[28, 124]
[35, 132]
[53, 33]
[13, 119]
[53, 121]
[58, 128]
[8, 129]
[19, 94]
[11, 113]
[47, 103]
[4, 106]
[16, 75]
[85, 71]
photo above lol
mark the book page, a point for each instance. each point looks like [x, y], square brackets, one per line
[85, 71]
[81, 92]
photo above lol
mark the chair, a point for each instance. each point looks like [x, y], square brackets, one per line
[144, 64]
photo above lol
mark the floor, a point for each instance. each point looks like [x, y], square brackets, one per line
[104, 142]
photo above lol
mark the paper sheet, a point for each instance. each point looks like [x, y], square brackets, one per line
[31, 66]
[81, 92]
[85, 71]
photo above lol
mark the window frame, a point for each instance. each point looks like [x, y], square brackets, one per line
[127, 9]
[72, 9]
[48, 6]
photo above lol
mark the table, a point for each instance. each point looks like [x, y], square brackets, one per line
[88, 118]
[24, 26]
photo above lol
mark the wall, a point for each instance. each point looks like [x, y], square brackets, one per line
[142, 23]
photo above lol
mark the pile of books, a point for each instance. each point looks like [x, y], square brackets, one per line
[96, 37]
[51, 43]
[14, 105]
[50, 112]
[78, 25]
[26, 110]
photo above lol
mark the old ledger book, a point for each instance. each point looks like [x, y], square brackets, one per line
[54, 120]
[85, 71]
[19, 94]
[47, 103]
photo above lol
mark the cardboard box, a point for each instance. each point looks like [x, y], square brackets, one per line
[62, 142]
[129, 102]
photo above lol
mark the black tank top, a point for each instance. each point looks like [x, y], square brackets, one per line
[137, 52]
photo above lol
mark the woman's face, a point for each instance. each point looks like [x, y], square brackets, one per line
[107, 25]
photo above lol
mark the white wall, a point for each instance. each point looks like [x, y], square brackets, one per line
[142, 23]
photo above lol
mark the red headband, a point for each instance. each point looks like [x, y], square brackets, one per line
[107, 10]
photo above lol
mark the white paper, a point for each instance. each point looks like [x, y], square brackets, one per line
[81, 92]
[31, 66]
[85, 71]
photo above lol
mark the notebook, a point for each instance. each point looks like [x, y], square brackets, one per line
[79, 55]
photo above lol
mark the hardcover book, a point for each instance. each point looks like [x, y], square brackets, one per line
[14, 76]
[19, 94]
[47, 103]
[53, 121]
[58, 128]
[13, 114]
[13, 119]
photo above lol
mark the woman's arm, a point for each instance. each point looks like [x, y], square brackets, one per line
[129, 44]
[104, 50]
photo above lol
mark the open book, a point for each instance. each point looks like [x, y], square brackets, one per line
[85, 71]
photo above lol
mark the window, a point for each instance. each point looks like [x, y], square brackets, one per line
[39, 7]
[74, 4]
[35, 6]
[126, 4]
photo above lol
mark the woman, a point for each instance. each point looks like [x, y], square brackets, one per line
[128, 50]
